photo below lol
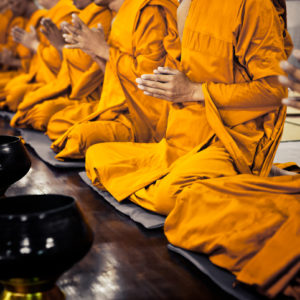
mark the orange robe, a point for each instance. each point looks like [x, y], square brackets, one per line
[8, 23]
[79, 79]
[44, 65]
[6, 17]
[143, 37]
[249, 223]
[22, 52]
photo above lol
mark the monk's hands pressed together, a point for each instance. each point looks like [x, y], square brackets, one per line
[28, 39]
[292, 82]
[171, 85]
[91, 41]
[53, 34]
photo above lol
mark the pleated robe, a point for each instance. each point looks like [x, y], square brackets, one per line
[79, 79]
[143, 37]
[208, 175]
[44, 65]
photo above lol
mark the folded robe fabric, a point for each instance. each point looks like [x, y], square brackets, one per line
[249, 223]
[44, 65]
[79, 79]
[143, 37]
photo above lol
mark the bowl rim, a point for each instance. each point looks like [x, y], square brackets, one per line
[17, 139]
[40, 212]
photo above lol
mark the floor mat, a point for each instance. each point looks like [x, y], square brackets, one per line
[138, 214]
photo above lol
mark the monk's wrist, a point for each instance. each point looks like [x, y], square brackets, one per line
[197, 92]
[35, 45]
[103, 52]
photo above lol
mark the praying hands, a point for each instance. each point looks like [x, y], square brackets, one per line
[171, 85]
[91, 41]
[28, 39]
[292, 82]
[53, 34]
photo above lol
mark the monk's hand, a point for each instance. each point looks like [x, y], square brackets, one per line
[28, 39]
[91, 41]
[53, 34]
[293, 81]
[171, 85]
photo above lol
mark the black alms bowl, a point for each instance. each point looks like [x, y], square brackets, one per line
[14, 161]
[41, 236]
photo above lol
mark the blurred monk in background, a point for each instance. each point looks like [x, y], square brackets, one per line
[46, 62]
[209, 174]
[79, 79]
[143, 37]
[15, 13]
[27, 42]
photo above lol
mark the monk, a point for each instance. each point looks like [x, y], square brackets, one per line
[27, 40]
[18, 14]
[292, 82]
[79, 79]
[209, 173]
[143, 37]
[46, 63]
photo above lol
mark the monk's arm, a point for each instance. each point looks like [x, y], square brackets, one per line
[259, 47]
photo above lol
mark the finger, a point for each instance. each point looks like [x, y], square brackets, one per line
[296, 53]
[45, 21]
[78, 22]
[157, 77]
[17, 34]
[159, 96]
[289, 83]
[154, 90]
[45, 32]
[70, 39]
[100, 27]
[151, 83]
[70, 30]
[290, 69]
[167, 70]
[64, 25]
[292, 101]
[19, 30]
[73, 46]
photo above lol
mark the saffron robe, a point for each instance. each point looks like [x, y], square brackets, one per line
[148, 40]
[249, 223]
[79, 79]
[22, 52]
[44, 65]
[8, 22]
[6, 18]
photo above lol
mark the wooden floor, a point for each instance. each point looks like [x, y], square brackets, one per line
[126, 261]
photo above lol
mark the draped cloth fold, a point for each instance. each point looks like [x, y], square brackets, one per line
[208, 175]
